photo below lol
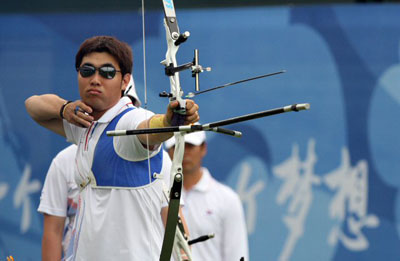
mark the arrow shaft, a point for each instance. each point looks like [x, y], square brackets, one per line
[237, 82]
[213, 126]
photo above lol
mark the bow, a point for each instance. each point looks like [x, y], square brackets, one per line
[174, 39]
[174, 238]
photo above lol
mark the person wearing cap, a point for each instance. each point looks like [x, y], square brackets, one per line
[121, 202]
[210, 206]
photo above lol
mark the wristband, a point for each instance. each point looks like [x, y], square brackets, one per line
[62, 109]
[157, 121]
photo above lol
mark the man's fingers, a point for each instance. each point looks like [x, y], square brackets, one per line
[172, 105]
[80, 121]
[78, 105]
[85, 108]
[192, 115]
[192, 119]
[78, 113]
[192, 110]
[190, 103]
[85, 116]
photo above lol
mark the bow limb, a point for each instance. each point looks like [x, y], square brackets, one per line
[174, 237]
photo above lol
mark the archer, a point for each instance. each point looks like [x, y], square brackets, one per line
[120, 199]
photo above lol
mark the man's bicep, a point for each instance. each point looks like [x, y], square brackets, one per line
[53, 224]
[52, 237]
[55, 125]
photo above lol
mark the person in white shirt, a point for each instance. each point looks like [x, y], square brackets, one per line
[210, 206]
[58, 204]
[121, 200]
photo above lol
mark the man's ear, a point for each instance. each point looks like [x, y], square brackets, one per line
[203, 149]
[125, 81]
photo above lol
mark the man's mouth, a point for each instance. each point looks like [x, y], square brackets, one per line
[94, 91]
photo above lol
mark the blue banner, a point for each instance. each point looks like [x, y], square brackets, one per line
[315, 185]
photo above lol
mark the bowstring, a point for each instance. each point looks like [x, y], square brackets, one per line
[145, 107]
[145, 85]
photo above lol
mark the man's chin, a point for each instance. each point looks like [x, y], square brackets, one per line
[187, 170]
[94, 103]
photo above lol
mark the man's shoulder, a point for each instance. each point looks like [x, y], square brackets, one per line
[66, 154]
[133, 116]
[222, 190]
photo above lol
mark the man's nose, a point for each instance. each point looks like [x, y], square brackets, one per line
[95, 79]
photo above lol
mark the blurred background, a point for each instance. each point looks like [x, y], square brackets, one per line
[315, 185]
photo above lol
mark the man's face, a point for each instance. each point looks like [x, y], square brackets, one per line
[193, 157]
[97, 91]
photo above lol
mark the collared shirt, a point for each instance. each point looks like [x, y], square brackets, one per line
[211, 207]
[116, 223]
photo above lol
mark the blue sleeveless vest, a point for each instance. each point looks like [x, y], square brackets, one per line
[110, 170]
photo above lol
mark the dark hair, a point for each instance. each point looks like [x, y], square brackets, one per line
[121, 51]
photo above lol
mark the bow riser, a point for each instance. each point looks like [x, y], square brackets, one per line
[170, 62]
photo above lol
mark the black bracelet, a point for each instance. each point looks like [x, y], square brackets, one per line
[63, 108]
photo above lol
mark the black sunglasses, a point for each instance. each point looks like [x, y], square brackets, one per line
[106, 71]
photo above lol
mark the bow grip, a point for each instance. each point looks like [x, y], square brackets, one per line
[179, 116]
